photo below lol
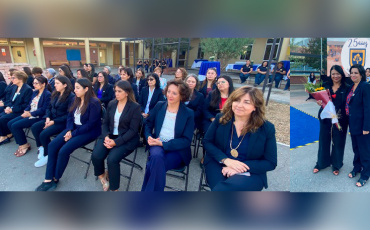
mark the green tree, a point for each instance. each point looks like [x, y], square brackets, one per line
[314, 47]
[171, 44]
[225, 49]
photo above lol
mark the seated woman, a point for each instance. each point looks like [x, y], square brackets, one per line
[65, 71]
[3, 85]
[150, 95]
[169, 145]
[103, 90]
[120, 135]
[240, 144]
[55, 119]
[83, 127]
[261, 73]
[196, 100]
[215, 101]
[81, 73]
[6, 97]
[127, 75]
[93, 77]
[181, 74]
[209, 83]
[162, 81]
[20, 98]
[140, 80]
[32, 114]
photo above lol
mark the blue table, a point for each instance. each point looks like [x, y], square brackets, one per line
[198, 60]
[168, 62]
[205, 66]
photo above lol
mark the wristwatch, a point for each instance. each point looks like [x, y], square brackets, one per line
[223, 160]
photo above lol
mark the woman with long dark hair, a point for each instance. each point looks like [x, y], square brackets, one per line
[209, 83]
[32, 114]
[215, 101]
[196, 99]
[65, 71]
[93, 77]
[103, 90]
[6, 97]
[261, 73]
[150, 95]
[127, 75]
[120, 135]
[83, 127]
[140, 80]
[81, 73]
[358, 109]
[55, 119]
[330, 135]
[30, 78]
[3, 85]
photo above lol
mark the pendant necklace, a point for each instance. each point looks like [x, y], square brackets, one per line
[234, 152]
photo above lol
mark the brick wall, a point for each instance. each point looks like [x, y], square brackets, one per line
[59, 54]
[7, 57]
[4, 68]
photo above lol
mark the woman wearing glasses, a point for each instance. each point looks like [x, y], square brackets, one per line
[103, 90]
[216, 100]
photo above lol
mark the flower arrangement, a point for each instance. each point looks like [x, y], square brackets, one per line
[212, 58]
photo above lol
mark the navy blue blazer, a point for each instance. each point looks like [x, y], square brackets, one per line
[7, 94]
[208, 111]
[111, 79]
[196, 104]
[203, 90]
[359, 109]
[261, 153]
[157, 96]
[90, 120]
[3, 86]
[42, 105]
[30, 80]
[128, 126]
[22, 100]
[107, 94]
[58, 111]
[142, 83]
[184, 128]
[134, 88]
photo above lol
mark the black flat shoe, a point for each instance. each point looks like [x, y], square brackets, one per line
[362, 182]
[6, 140]
[47, 186]
[352, 174]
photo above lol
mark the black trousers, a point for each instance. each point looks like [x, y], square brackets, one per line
[115, 155]
[361, 161]
[336, 140]
[219, 182]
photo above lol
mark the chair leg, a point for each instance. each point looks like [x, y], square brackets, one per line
[201, 181]
[187, 178]
[88, 167]
[132, 169]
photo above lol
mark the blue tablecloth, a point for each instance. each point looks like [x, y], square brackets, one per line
[168, 62]
[209, 64]
[198, 60]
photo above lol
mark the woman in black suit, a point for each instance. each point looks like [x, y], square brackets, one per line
[150, 95]
[20, 98]
[65, 71]
[103, 90]
[8, 90]
[127, 75]
[120, 135]
[358, 109]
[140, 80]
[330, 135]
[169, 144]
[32, 114]
[209, 83]
[240, 144]
[196, 100]
[216, 99]
[3, 85]
[55, 118]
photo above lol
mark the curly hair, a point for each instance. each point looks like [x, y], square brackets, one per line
[184, 90]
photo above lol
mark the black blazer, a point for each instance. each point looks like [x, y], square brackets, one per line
[90, 120]
[134, 88]
[58, 111]
[30, 80]
[261, 153]
[143, 99]
[203, 90]
[22, 100]
[196, 104]
[42, 105]
[359, 109]
[107, 94]
[7, 93]
[184, 128]
[208, 111]
[128, 126]
[3, 86]
[142, 83]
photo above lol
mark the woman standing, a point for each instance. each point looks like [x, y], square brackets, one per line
[358, 110]
[55, 118]
[20, 98]
[83, 127]
[181, 74]
[140, 80]
[216, 100]
[32, 114]
[210, 83]
[196, 100]
[330, 135]
[240, 144]
[169, 145]
[103, 90]
[120, 135]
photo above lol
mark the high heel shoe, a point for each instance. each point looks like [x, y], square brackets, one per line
[22, 151]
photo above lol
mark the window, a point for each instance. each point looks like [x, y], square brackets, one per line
[269, 44]
[102, 45]
[59, 43]
[200, 54]
[16, 42]
[3, 41]
[246, 52]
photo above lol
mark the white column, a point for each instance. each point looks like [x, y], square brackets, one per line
[87, 50]
[36, 42]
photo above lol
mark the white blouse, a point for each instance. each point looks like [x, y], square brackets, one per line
[117, 115]
[168, 128]
[78, 116]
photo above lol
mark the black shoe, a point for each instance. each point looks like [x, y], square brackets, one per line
[47, 186]
[5, 141]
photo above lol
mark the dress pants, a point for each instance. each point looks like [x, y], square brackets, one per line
[243, 77]
[115, 155]
[42, 136]
[4, 119]
[287, 84]
[159, 162]
[336, 141]
[17, 125]
[219, 182]
[361, 161]
[59, 152]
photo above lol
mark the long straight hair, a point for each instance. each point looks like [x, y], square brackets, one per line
[205, 80]
[85, 83]
[126, 86]
[67, 91]
[216, 94]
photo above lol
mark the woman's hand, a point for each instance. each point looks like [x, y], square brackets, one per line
[109, 143]
[228, 172]
[365, 132]
[154, 142]
[236, 165]
[8, 110]
[48, 123]
[212, 119]
[26, 114]
[319, 102]
[68, 136]
[1, 103]
[145, 115]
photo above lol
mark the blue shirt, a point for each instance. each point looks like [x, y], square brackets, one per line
[100, 93]
[149, 99]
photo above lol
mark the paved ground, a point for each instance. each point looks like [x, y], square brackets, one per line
[302, 160]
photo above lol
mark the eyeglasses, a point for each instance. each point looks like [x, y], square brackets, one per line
[151, 79]
[221, 82]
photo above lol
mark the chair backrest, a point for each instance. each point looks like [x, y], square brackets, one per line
[103, 111]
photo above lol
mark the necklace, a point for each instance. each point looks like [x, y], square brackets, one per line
[234, 152]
